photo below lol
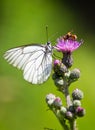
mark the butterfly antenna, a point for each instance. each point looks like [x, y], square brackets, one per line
[47, 32]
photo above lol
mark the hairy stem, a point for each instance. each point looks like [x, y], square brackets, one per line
[66, 92]
[67, 96]
[69, 103]
[63, 124]
[62, 121]
[73, 125]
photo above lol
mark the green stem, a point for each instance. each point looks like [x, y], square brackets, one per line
[69, 103]
[63, 124]
[67, 96]
[62, 121]
[73, 125]
[66, 92]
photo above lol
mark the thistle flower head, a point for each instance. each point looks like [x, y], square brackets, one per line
[68, 43]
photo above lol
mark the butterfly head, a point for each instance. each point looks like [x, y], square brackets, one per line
[48, 44]
[48, 47]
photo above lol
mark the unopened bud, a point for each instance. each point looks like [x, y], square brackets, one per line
[59, 68]
[74, 75]
[69, 115]
[57, 102]
[63, 110]
[59, 82]
[56, 62]
[80, 111]
[71, 109]
[76, 103]
[50, 99]
[56, 66]
[63, 68]
[77, 94]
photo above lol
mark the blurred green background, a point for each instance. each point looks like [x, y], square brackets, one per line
[22, 105]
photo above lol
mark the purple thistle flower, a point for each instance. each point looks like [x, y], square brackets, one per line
[68, 43]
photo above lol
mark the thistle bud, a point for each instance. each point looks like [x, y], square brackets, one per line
[59, 68]
[80, 111]
[57, 102]
[74, 75]
[56, 65]
[71, 109]
[56, 62]
[76, 103]
[77, 94]
[63, 110]
[63, 68]
[61, 113]
[50, 99]
[59, 82]
[69, 115]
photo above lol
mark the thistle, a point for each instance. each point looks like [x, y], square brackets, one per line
[63, 77]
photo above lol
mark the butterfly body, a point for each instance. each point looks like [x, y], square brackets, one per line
[35, 60]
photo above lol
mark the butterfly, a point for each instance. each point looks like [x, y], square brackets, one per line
[34, 60]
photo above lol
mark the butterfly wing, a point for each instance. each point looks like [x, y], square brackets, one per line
[35, 62]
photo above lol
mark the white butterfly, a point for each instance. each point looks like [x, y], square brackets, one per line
[35, 60]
